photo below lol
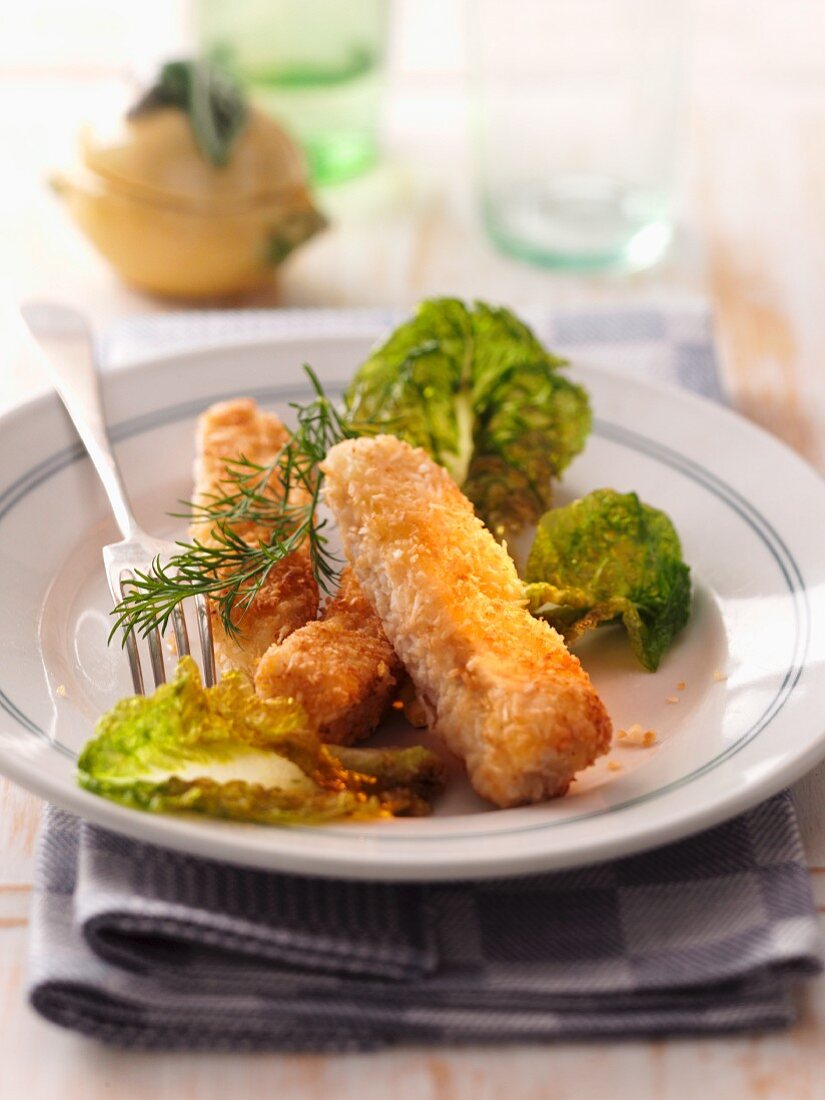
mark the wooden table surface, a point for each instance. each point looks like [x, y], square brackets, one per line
[752, 242]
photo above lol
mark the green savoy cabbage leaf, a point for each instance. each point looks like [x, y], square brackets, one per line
[474, 387]
[610, 557]
[223, 751]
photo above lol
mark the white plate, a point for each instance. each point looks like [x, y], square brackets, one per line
[748, 511]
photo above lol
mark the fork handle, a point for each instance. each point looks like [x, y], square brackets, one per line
[64, 342]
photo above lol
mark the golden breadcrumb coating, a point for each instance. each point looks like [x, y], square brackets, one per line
[499, 686]
[341, 668]
[289, 596]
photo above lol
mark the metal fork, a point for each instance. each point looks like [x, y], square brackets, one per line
[66, 350]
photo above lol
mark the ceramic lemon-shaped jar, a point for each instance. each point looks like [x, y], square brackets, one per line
[197, 195]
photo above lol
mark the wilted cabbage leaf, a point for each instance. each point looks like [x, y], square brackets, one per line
[475, 388]
[610, 557]
[223, 751]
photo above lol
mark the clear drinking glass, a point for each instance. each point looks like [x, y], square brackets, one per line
[315, 65]
[576, 107]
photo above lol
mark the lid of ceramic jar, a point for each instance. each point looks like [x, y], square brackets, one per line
[154, 155]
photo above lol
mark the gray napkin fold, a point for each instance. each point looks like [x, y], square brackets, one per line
[142, 947]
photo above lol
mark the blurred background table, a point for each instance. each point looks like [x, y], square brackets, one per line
[752, 243]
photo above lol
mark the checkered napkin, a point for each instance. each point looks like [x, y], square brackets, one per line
[142, 947]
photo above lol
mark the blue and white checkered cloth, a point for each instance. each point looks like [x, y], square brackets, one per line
[142, 947]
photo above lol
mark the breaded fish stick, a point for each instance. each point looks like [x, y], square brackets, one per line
[341, 668]
[289, 596]
[499, 686]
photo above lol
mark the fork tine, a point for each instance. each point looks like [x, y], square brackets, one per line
[156, 657]
[207, 646]
[134, 663]
[181, 633]
[129, 639]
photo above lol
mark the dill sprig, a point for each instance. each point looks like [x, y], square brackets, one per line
[281, 497]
